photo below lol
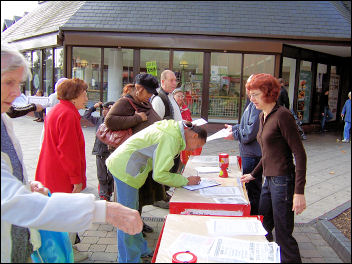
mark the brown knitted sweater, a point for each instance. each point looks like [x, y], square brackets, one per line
[278, 138]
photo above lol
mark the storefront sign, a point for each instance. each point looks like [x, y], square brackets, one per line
[152, 68]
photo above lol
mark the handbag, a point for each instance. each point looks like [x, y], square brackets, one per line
[114, 138]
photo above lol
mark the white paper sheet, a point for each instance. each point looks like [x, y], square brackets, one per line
[204, 183]
[197, 244]
[201, 170]
[199, 122]
[209, 160]
[236, 250]
[236, 227]
[222, 191]
[231, 200]
[42, 100]
[220, 134]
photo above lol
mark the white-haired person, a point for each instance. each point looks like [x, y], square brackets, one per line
[53, 100]
[346, 113]
[24, 204]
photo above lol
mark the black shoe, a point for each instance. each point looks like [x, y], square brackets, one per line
[162, 204]
[147, 229]
[36, 119]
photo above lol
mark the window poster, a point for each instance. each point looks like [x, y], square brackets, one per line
[152, 68]
[304, 94]
[333, 94]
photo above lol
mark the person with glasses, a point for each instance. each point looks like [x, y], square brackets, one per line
[284, 181]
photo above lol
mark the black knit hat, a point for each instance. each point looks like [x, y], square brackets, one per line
[148, 81]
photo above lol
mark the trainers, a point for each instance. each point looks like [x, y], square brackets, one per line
[79, 256]
[345, 141]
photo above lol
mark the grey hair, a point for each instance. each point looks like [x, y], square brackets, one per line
[12, 59]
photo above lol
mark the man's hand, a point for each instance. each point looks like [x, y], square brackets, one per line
[98, 104]
[229, 130]
[39, 108]
[193, 180]
[77, 188]
[142, 115]
[126, 219]
[246, 178]
[299, 203]
[37, 186]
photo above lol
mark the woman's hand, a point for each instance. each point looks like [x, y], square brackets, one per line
[299, 203]
[142, 115]
[98, 104]
[37, 186]
[246, 178]
[193, 180]
[229, 130]
[77, 188]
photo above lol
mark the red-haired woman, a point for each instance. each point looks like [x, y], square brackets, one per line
[283, 188]
[62, 161]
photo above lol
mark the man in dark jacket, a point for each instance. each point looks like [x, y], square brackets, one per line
[106, 181]
[283, 96]
[326, 114]
[246, 135]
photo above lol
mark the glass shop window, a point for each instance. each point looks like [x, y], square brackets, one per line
[188, 68]
[86, 66]
[304, 91]
[224, 87]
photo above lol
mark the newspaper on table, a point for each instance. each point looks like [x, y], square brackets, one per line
[42, 100]
[204, 183]
[236, 227]
[237, 250]
[223, 191]
[197, 244]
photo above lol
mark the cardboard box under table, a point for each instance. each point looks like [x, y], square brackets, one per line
[193, 202]
[194, 227]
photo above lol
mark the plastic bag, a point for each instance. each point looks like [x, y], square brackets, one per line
[56, 248]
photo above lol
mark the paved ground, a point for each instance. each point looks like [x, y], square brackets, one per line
[328, 187]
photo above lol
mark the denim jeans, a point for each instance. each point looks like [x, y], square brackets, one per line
[326, 117]
[253, 187]
[276, 207]
[130, 248]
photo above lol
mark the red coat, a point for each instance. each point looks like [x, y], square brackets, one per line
[62, 160]
[186, 113]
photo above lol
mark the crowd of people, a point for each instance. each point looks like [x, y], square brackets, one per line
[144, 166]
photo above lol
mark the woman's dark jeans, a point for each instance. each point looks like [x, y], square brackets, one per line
[253, 187]
[276, 207]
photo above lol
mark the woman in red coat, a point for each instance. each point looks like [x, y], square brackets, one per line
[62, 164]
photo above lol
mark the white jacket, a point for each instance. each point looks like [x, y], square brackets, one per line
[61, 212]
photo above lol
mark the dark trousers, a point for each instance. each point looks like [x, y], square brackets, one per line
[276, 207]
[253, 187]
[106, 180]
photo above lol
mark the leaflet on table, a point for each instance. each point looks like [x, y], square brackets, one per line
[209, 160]
[220, 134]
[239, 199]
[235, 250]
[204, 183]
[223, 191]
[199, 122]
[236, 227]
[201, 170]
[197, 244]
